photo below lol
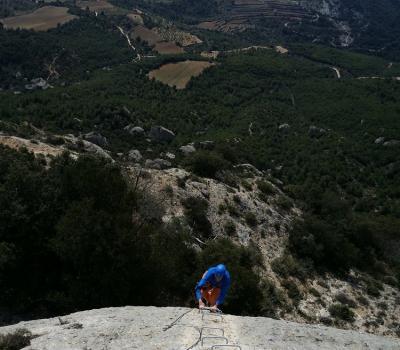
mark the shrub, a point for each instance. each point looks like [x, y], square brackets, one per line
[230, 228]
[344, 299]
[363, 300]
[292, 291]
[382, 305]
[169, 191]
[373, 287]
[265, 187]
[274, 298]
[286, 266]
[326, 320]
[251, 219]
[314, 292]
[196, 213]
[21, 338]
[207, 164]
[232, 210]
[221, 208]
[341, 312]
[237, 199]
[284, 202]
[181, 181]
[247, 185]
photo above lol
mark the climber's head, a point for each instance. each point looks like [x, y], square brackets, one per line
[220, 272]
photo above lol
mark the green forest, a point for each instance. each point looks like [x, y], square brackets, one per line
[70, 225]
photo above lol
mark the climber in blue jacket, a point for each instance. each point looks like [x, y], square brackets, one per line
[213, 286]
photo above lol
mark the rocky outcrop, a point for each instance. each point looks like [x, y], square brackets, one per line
[161, 134]
[316, 132]
[174, 328]
[391, 143]
[96, 138]
[134, 130]
[187, 149]
[158, 164]
[135, 155]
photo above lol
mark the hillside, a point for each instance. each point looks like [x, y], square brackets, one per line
[150, 328]
[143, 141]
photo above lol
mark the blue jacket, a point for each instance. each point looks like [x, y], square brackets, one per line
[209, 278]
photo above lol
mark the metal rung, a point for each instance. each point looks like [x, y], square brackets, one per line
[226, 346]
[202, 340]
[214, 328]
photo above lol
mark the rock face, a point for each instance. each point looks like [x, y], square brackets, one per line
[135, 155]
[96, 138]
[152, 328]
[187, 149]
[316, 132]
[391, 143]
[134, 130]
[157, 164]
[161, 134]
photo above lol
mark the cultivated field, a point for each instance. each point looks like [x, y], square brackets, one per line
[135, 18]
[146, 34]
[168, 48]
[179, 74]
[42, 19]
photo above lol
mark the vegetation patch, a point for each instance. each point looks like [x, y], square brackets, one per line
[20, 339]
[341, 312]
[42, 19]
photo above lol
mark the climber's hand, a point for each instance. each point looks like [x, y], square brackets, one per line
[214, 309]
[201, 304]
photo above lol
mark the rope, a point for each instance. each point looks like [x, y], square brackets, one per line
[174, 323]
[196, 328]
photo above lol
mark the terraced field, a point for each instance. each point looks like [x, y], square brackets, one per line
[245, 9]
[42, 19]
[179, 74]
[238, 14]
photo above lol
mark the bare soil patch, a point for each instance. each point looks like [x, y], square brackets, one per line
[42, 19]
[135, 18]
[179, 74]
[168, 48]
[146, 34]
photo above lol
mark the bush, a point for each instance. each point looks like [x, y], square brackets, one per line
[284, 202]
[265, 187]
[314, 292]
[232, 210]
[247, 185]
[20, 339]
[251, 219]
[196, 213]
[363, 300]
[293, 291]
[286, 266]
[230, 228]
[341, 312]
[207, 164]
[344, 299]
